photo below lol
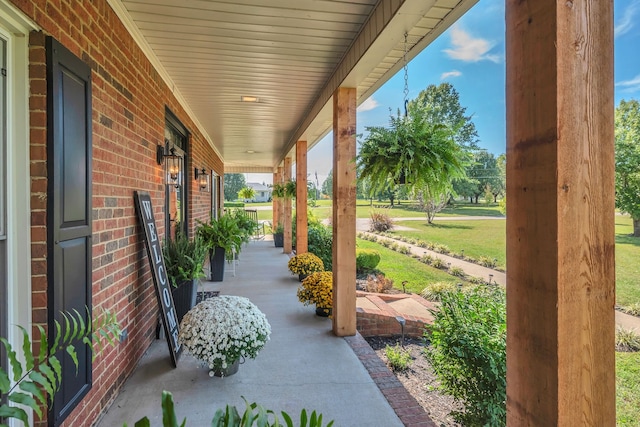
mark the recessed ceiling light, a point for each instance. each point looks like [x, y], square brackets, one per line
[249, 99]
[250, 151]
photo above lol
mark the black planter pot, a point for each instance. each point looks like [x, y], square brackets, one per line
[184, 297]
[216, 264]
[278, 239]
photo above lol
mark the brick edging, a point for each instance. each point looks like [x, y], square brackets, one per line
[405, 406]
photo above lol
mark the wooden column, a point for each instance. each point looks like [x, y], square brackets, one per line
[301, 197]
[344, 212]
[276, 202]
[286, 211]
[560, 215]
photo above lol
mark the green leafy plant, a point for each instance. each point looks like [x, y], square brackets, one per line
[438, 263]
[253, 415]
[632, 309]
[320, 242]
[457, 271]
[183, 258]
[247, 193]
[222, 232]
[366, 260]
[41, 371]
[468, 353]
[399, 358]
[627, 340]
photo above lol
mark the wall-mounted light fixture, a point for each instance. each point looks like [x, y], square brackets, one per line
[202, 177]
[172, 165]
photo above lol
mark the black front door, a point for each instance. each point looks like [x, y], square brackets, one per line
[69, 211]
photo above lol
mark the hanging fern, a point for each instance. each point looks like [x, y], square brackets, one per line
[41, 370]
[411, 150]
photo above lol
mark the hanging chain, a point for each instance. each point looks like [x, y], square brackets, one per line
[406, 76]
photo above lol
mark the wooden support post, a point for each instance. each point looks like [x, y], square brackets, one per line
[560, 215]
[301, 197]
[286, 211]
[344, 211]
[276, 202]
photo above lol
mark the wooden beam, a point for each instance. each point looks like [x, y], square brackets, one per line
[286, 211]
[344, 212]
[301, 197]
[276, 202]
[560, 215]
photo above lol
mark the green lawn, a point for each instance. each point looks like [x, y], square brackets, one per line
[627, 262]
[628, 389]
[477, 238]
[401, 267]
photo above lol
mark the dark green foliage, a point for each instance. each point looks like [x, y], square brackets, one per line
[399, 358]
[468, 353]
[222, 232]
[253, 415]
[320, 243]
[41, 371]
[366, 260]
[183, 258]
[234, 204]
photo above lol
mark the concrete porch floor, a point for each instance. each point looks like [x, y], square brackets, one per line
[303, 365]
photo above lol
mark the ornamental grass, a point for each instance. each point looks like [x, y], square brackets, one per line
[306, 264]
[317, 289]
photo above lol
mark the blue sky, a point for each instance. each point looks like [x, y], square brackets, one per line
[471, 56]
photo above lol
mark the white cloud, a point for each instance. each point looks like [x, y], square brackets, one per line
[469, 49]
[632, 85]
[368, 105]
[452, 73]
[625, 24]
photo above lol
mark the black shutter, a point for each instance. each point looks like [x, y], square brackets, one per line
[68, 211]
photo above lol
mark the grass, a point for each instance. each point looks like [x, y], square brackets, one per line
[401, 268]
[627, 389]
[627, 264]
[477, 237]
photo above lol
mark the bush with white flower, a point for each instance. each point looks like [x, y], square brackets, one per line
[221, 330]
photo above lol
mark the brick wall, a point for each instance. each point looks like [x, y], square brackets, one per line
[378, 318]
[129, 99]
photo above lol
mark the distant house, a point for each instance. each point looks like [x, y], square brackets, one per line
[263, 193]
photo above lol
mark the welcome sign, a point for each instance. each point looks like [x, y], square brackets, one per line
[159, 273]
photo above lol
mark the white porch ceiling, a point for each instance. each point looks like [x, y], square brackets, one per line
[291, 54]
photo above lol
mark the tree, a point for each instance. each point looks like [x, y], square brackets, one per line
[327, 185]
[431, 203]
[442, 105]
[233, 183]
[485, 171]
[627, 178]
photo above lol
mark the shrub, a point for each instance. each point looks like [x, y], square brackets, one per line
[317, 289]
[405, 250]
[399, 358]
[431, 246]
[633, 309]
[456, 271]
[366, 260]
[627, 340]
[234, 204]
[394, 246]
[468, 353]
[380, 222]
[385, 243]
[412, 241]
[378, 283]
[438, 263]
[422, 244]
[443, 249]
[427, 259]
[321, 243]
[434, 291]
[487, 262]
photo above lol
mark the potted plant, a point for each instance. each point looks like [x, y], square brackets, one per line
[220, 235]
[278, 236]
[305, 264]
[317, 289]
[184, 263]
[222, 330]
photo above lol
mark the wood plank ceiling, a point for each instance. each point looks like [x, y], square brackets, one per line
[290, 54]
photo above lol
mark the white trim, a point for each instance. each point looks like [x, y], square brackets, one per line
[137, 36]
[15, 28]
